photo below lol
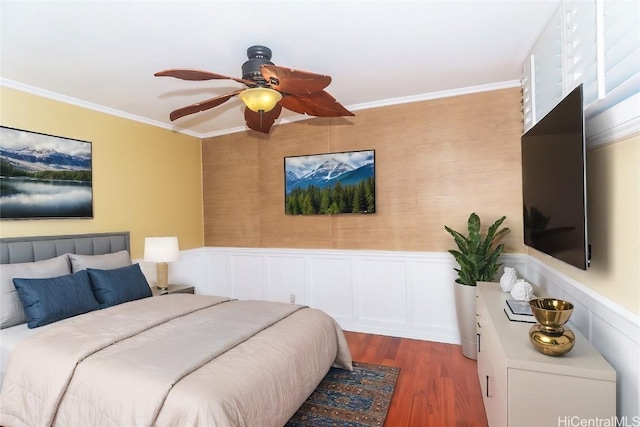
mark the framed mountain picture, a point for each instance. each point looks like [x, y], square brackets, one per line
[330, 184]
[44, 176]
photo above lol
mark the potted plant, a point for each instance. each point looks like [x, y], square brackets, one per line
[477, 257]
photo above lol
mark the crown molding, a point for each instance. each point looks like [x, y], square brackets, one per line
[90, 106]
[356, 107]
[393, 101]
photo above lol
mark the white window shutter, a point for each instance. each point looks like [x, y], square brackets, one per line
[621, 28]
[548, 71]
[581, 48]
[596, 43]
[528, 100]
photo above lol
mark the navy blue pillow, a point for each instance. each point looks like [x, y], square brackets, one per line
[49, 300]
[118, 285]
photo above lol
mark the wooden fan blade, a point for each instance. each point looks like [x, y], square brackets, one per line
[295, 82]
[202, 106]
[320, 104]
[262, 124]
[187, 74]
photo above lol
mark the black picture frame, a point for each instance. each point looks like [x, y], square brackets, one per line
[330, 183]
[44, 176]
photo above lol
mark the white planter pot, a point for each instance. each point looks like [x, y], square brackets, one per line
[465, 297]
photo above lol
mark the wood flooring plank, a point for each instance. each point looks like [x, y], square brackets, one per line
[437, 386]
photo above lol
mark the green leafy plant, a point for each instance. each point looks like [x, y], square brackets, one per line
[477, 255]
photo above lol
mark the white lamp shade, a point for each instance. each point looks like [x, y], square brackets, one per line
[161, 249]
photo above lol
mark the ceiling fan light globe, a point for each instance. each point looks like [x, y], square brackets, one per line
[260, 98]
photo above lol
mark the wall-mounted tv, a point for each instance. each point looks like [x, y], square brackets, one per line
[554, 183]
[329, 184]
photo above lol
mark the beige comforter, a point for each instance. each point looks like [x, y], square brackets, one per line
[175, 360]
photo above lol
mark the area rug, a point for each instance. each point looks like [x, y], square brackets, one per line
[349, 399]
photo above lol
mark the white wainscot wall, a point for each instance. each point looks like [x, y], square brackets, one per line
[404, 294]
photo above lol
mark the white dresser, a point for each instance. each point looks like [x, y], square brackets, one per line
[522, 387]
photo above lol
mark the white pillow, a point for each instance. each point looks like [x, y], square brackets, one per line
[100, 262]
[11, 312]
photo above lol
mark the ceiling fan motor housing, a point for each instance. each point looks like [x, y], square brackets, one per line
[258, 56]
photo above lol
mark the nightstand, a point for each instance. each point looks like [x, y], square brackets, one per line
[173, 289]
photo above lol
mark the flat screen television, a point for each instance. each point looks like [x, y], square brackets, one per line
[554, 183]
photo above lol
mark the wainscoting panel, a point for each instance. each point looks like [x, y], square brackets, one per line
[284, 278]
[404, 294]
[217, 275]
[330, 286]
[382, 290]
[248, 276]
[433, 290]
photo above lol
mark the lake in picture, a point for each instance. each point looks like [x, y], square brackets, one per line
[27, 198]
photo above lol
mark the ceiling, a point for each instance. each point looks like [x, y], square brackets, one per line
[103, 54]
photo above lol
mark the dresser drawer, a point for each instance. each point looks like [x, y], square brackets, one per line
[489, 347]
[495, 403]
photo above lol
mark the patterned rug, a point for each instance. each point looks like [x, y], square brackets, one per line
[349, 399]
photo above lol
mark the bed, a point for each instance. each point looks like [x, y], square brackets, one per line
[125, 358]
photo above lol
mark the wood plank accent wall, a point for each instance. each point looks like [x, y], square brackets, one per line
[436, 162]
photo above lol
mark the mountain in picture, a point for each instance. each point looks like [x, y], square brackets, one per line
[328, 174]
[33, 160]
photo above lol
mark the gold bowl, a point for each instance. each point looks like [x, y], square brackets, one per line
[550, 312]
[549, 336]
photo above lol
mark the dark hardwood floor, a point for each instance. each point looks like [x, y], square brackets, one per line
[437, 385]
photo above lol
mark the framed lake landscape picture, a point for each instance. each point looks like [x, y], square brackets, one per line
[44, 176]
[329, 184]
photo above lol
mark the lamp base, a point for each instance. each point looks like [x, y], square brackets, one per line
[162, 275]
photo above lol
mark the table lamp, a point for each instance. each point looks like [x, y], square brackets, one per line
[161, 250]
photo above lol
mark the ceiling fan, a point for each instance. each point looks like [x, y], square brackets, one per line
[269, 89]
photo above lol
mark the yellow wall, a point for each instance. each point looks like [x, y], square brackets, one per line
[613, 199]
[146, 180]
[436, 162]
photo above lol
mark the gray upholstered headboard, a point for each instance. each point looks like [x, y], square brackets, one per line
[27, 249]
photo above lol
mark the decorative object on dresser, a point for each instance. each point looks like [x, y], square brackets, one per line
[478, 260]
[522, 387]
[161, 250]
[44, 176]
[508, 279]
[549, 336]
[522, 291]
[518, 311]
